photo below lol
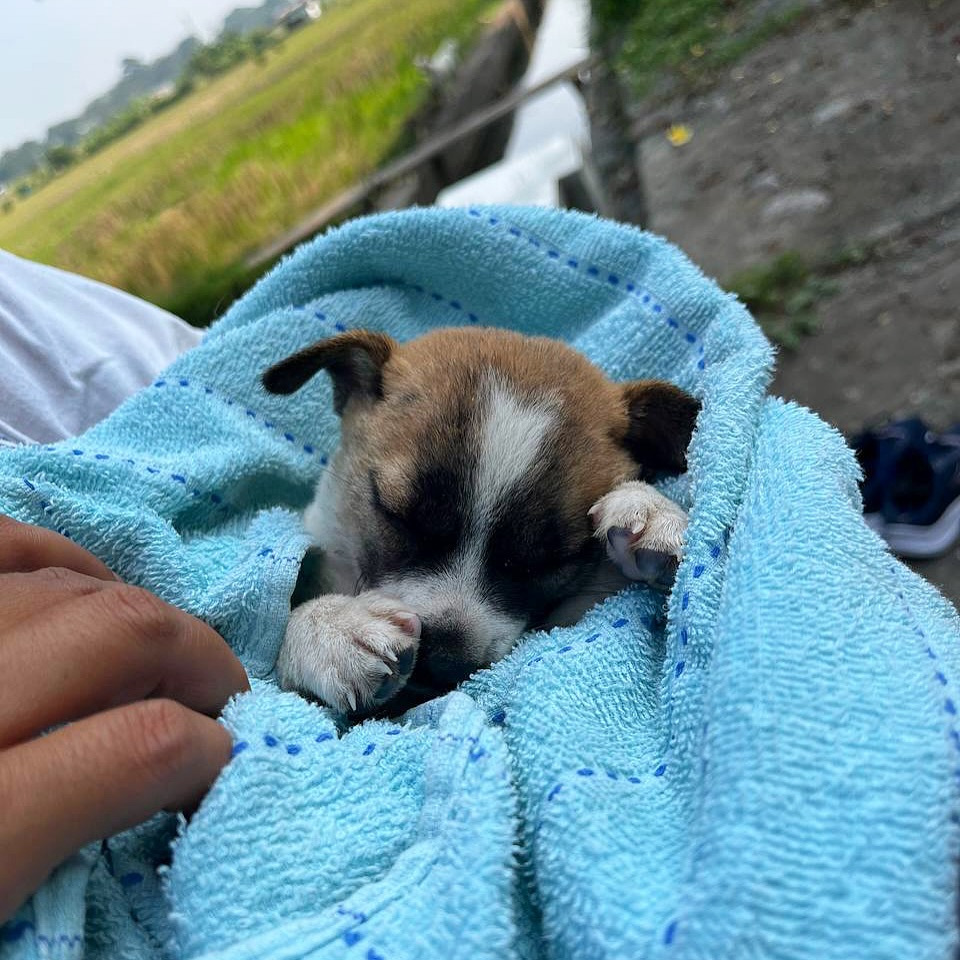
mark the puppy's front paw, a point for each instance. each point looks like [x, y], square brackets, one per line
[643, 530]
[352, 653]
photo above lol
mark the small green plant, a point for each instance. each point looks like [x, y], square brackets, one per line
[852, 255]
[61, 157]
[611, 13]
[689, 39]
[783, 296]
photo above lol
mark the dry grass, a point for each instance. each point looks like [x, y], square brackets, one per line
[174, 207]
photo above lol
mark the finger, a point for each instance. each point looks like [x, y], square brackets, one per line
[95, 778]
[27, 595]
[24, 547]
[105, 649]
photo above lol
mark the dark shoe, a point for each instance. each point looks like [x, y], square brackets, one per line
[911, 486]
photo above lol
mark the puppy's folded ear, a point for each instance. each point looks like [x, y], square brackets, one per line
[661, 418]
[354, 360]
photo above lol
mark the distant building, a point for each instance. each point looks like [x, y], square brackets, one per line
[299, 14]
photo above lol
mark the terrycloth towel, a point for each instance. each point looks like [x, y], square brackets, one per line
[766, 766]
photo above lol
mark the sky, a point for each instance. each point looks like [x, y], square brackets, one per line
[58, 55]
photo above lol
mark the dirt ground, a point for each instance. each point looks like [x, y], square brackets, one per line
[839, 141]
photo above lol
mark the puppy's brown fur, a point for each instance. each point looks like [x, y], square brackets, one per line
[469, 461]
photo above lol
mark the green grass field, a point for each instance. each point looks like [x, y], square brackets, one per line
[169, 211]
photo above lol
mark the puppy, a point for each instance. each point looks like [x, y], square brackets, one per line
[481, 480]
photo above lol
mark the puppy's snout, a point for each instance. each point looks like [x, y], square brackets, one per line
[442, 653]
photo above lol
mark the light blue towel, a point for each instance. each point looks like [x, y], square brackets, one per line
[765, 767]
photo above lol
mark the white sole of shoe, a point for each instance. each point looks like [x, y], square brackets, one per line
[918, 543]
[875, 522]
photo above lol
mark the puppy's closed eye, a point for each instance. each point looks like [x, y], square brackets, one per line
[390, 512]
[543, 565]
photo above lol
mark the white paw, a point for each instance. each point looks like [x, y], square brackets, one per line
[643, 531]
[352, 653]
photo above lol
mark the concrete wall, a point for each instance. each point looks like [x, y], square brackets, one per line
[488, 73]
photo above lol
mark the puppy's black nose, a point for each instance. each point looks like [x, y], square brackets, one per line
[442, 654]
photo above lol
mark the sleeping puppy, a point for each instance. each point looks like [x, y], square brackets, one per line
[481, 479]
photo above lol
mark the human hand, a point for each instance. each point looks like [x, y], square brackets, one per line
[138, 681]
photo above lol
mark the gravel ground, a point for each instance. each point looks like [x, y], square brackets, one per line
[840, 137]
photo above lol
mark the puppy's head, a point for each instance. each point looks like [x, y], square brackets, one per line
[468, 461]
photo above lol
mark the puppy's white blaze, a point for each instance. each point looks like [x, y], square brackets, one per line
[513, 433]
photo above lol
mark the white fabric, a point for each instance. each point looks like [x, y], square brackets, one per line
[72, 350]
